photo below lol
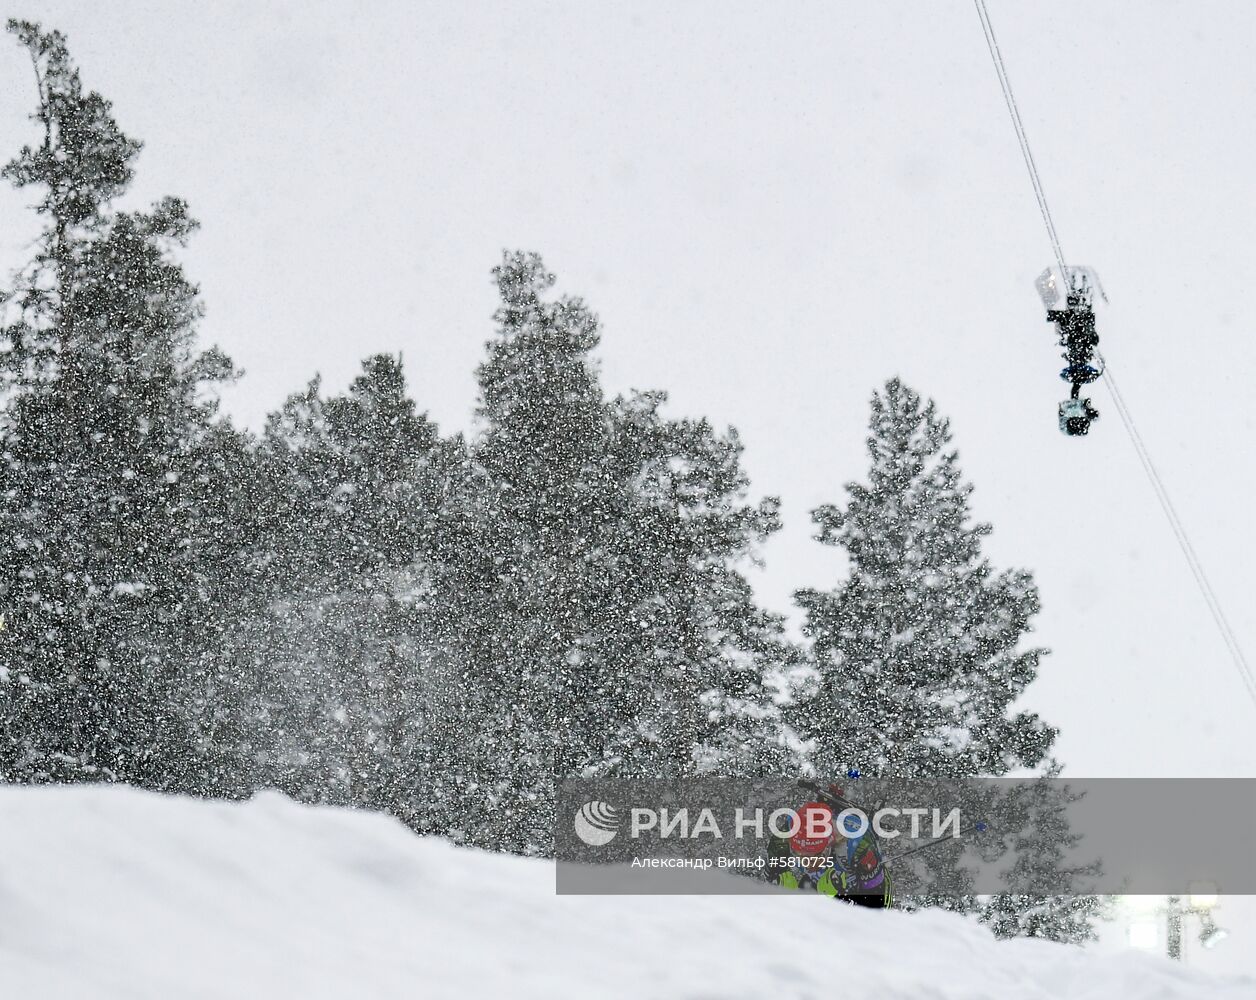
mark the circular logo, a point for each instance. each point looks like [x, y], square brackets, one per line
[597, 823]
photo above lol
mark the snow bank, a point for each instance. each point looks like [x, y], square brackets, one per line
[113, 893]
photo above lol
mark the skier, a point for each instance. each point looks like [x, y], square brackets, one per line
[838, 857]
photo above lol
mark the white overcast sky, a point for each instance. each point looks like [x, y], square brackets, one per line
[772, 208]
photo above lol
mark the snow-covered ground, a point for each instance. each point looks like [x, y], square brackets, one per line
[113, 893]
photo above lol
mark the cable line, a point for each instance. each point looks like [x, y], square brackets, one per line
[1021, 137]
[1140, 448]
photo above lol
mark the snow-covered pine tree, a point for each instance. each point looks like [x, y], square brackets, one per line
[918, 651]
[1043, 839]
[331, 652]
[357, 477]
[605, 628]
[917, 654]
[685, 625]
[115, 514]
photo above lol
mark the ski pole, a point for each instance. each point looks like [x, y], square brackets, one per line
[979, 827]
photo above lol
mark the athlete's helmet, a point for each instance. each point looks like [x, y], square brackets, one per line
[815, 830]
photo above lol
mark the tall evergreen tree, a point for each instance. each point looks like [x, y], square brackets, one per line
[918, 658]
[115, 514]
[606, 628]
[330, 646]
[918, 651]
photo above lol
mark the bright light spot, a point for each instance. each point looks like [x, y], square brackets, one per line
[1203, 895]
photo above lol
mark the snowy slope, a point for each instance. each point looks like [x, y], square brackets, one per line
[112, 893]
